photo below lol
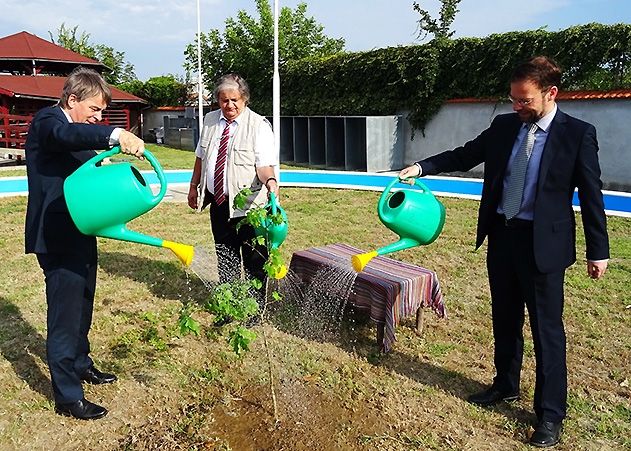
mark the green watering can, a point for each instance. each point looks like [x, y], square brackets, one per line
[274, 233]
[416, 216]
[101, 200]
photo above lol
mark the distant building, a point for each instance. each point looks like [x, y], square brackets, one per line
[32, 74]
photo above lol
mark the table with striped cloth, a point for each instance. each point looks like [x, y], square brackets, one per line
[389, 289]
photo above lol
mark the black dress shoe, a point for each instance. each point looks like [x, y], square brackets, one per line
[81, 409]
[546, 434]
[94, 376]
[491, 396]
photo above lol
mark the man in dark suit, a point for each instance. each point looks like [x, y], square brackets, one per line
[60, 139]
[530, 173]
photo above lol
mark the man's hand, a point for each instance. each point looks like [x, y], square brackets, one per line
[596, 270]
[131, 144]
[408, 174]
[272, 187]
[192, 196]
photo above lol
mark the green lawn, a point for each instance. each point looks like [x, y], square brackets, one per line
[335, 392]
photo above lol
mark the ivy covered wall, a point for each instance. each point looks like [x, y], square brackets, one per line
[420, 78]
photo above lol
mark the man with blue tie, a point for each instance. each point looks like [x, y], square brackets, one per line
[60, 139]
[533, 160]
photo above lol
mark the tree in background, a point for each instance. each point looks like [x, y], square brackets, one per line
[119, 70]
[438, 28]
[164, 90]
[247, 47]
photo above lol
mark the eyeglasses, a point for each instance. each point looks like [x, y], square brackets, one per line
[522, 102]
[525, 102]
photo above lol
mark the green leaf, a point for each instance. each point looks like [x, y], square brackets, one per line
[240, 339]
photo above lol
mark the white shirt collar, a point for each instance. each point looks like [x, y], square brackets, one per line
[66, 114]
[234, 121]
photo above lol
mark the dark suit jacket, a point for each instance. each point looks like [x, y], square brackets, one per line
[54, 149]
[569, 160]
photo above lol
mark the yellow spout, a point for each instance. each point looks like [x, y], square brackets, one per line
[359, 261]
[280, 272]
[183, 251]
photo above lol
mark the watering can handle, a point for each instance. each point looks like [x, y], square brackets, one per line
[423, 187]
[417, 182]
[160, 173]
[386, 191]
[154, 164]
[273, 202]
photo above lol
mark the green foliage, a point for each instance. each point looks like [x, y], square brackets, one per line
[420, 78]
[234, 301]
[257, 216]
[241, 198]
[246, 47]
[378, 82]
[164, 90]
[186, 323]
[439, 28]
[231, 303]
[119, 70]
[240, 338]
[273, 264]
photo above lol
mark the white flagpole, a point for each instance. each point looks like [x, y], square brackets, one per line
[276, 86]
[200, 103]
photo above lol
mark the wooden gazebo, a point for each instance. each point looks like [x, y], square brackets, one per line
[32, 74]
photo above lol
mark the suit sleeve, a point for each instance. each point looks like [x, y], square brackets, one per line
[61, 136]
[589, 185]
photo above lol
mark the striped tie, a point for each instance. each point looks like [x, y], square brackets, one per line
[220, 165]
[515, 189]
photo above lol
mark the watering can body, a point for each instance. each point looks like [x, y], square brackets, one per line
[273, 231]
[415, 215]
[101, 200]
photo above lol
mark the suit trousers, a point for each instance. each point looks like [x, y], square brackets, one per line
[234, 247]
[70, 287]
[514, 281]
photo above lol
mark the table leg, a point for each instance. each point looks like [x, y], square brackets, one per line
[380, 335]
[419, 321]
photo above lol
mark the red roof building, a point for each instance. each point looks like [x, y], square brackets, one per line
[32, 75]
[26, 53]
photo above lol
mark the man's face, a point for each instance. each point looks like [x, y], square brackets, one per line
[531, 102]
[87, 110]
[231, 103]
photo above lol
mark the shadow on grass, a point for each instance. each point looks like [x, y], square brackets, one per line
[21, 345]
[166, 280]
[356, 333]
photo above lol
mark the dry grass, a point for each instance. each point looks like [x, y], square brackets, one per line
[192, 393]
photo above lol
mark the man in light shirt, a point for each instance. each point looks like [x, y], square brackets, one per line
[235, 151]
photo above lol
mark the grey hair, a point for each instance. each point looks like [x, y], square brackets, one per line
[232, 81]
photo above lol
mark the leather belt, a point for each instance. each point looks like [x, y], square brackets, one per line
[515, 223]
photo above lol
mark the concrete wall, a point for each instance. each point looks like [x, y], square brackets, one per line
[457, 123]
[155, 118]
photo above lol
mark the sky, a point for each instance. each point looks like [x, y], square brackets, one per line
[154, 34]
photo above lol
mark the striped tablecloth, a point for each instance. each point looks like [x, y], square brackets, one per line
[389, 289]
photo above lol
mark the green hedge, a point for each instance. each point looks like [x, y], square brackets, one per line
[420, 78]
